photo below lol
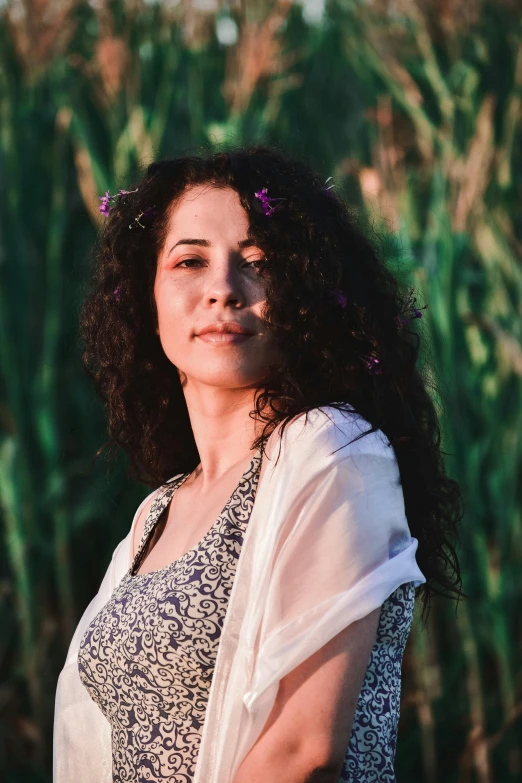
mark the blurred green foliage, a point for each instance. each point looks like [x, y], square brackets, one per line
[414, 107]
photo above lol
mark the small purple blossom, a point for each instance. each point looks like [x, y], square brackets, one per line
[371, 362]
[105, 207]
[339, 296]
[117, 293]
[417, 312]
[266, 201]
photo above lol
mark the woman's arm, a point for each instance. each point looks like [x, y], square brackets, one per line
[308, 730]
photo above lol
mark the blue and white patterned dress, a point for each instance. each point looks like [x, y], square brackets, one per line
[148, 657]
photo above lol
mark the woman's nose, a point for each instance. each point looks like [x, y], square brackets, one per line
[224, 283]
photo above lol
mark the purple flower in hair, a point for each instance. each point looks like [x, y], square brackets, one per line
[371, 364]
[105, 207]
[339, 296]
[417, 312]
[266, 201]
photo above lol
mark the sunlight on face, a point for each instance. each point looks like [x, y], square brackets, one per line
[213, 280]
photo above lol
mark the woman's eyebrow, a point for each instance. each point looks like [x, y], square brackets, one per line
[205, 243]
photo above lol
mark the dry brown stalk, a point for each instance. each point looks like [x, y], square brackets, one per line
[474, 174]
[256, 55]
[402, 86]
[476, 753]
[140, 136]
[111, 56]
[423, 39]
[197, 21]
[86, 183]
[40, 30]
[480, 744]
[510, 347]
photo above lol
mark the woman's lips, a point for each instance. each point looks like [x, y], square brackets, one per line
[224, 338]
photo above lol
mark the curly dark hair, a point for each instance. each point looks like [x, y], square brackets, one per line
[313, 244]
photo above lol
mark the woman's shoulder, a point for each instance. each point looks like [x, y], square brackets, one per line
[327, 430]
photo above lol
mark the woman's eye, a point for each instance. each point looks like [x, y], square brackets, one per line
[257, 263]
[188, 259]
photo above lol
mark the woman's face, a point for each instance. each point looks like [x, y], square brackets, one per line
[205, 274]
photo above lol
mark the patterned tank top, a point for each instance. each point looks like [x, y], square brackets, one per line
[148, 656]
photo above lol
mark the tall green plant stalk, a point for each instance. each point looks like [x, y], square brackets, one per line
[12, 474]
[47, 381]
[424, 707]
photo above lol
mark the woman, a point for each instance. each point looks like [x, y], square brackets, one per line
[251, 625]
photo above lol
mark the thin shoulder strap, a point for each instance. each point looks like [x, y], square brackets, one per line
[157, 507]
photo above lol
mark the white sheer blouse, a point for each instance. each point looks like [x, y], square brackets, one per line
[327, 543]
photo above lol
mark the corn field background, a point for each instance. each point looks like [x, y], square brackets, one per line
[414, 107]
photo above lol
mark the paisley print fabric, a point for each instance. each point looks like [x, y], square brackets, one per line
[371, 750]
[147, 658]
